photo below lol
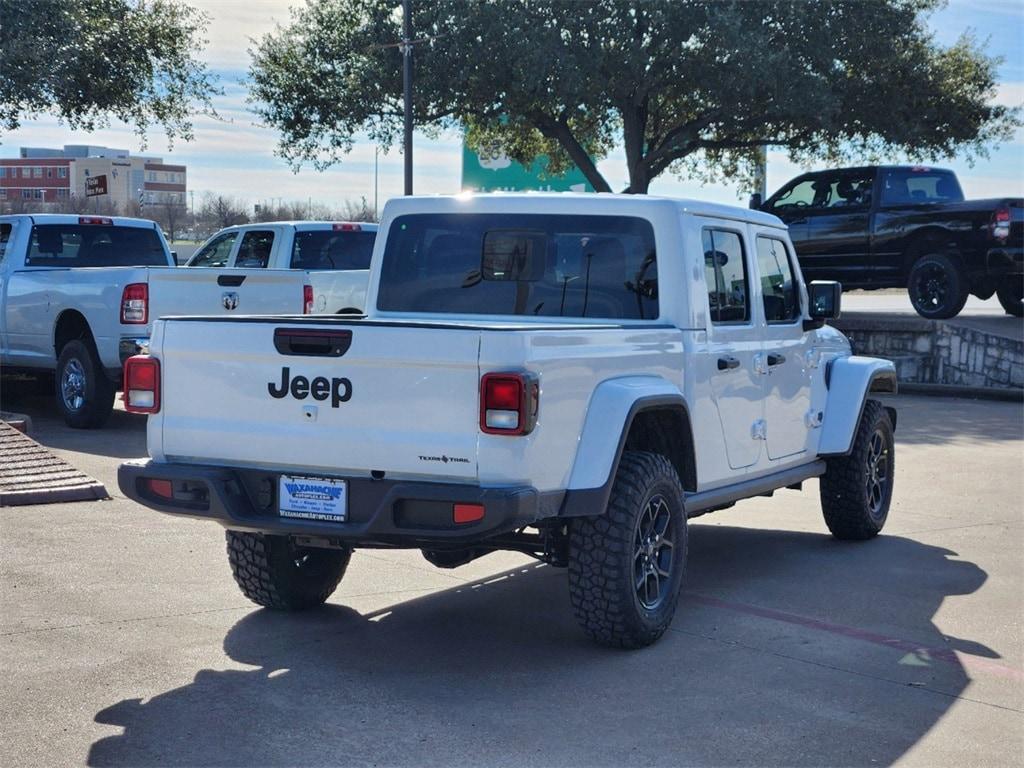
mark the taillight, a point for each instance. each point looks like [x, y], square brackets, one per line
[347, 227]
[135, 304]
[96, 220]
[142, 384]
[1001, 223]
[307, 299]
[508, 403]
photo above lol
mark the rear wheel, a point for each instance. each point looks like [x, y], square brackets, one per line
[856, 489]
[1011, 296]
[85, 396]
[937, 286]
[273, 572]
[626, 567]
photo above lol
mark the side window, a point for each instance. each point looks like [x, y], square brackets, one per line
[781, 297]
[726, 274]
[852, 190]
[5, 236]
[254, 252]
[216, 252]
[799, 195]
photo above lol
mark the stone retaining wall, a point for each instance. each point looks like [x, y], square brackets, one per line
[938, 352]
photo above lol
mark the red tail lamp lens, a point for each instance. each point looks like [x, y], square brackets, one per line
[467, 513]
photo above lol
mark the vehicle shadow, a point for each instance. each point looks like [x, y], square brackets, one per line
[497, 672]
[123, 436]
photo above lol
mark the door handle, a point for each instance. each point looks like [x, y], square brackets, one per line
[728, 363]
[775, 359]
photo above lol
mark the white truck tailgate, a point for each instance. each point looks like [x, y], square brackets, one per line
[273, 393]
[197, 290]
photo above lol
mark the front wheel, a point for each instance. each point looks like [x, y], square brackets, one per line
[85, 396]
[937, 286]
[626, 567]
[275, 573]
[856, 489]
[1011, 296]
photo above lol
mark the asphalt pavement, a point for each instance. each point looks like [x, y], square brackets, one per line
[125, 641]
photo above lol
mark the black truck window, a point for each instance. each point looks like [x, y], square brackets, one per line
[94, 245]
[915, 186]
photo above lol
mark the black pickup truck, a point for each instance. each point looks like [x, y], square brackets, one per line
[905, 227]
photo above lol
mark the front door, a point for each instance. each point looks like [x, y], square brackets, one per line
[837, 243]
[788, 361]
[734, 345]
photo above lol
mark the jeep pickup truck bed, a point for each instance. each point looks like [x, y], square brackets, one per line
[567, 376]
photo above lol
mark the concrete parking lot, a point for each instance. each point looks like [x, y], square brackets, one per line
[125, 641]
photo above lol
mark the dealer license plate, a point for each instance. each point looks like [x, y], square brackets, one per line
[313, 498]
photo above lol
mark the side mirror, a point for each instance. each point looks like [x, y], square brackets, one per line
[825, 300]
[755, 201]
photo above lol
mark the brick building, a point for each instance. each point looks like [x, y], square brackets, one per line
[54, 176]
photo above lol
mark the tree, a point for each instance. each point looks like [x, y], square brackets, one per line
[170, 216]
[221, 211]
[87, 61]
[682, 85]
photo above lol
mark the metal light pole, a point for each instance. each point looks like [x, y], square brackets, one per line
[407, 90]
[376, 178]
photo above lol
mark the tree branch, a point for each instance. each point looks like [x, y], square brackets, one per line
[559, 131]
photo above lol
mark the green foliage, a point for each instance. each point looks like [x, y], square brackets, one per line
[685, 86]
[86, 61]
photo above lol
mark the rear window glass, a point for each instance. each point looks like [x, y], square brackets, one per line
[910, 187]
[328, 249]
[540, 265]
[94, 245]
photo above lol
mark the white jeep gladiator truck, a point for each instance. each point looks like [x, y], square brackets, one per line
[78, 295]
[568, 376]
[335, 256]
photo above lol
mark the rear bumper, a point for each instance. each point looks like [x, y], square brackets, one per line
[381, 512]
[1005, 260]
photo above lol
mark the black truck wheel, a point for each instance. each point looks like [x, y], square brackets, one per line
[856, 489]
[1011, 295]
[273, 572]
[626, 567]
[85, 396]
[937, 286]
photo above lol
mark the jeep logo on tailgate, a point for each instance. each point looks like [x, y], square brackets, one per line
[339, 390]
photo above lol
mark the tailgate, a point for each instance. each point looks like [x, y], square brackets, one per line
[330, 397]
[198, 290]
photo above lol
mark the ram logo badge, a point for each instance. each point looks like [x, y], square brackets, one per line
[339, 390]
[229, 299]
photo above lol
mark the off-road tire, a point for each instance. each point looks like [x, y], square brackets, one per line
[846, 487]
[80, 374]
[932, 273]
[1010, 295]
[603, 559]
[274, 573]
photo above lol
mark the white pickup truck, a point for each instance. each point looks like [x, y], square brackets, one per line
[78, 295]
[335, 256]
[568, 376]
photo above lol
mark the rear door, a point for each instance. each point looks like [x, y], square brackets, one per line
[334, 397]
[734, 341]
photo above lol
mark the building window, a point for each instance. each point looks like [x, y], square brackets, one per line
[26, 194]
[3, 173]
[37, 194]
[62, 194]
[49, 173]
[62, 173]
[3, 194]
[37, 172]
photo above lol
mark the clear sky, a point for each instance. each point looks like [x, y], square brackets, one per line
[236, 157]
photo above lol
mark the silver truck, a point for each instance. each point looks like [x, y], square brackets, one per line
[79, 294]
[569, 376]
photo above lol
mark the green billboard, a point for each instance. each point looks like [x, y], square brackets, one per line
[501, 174]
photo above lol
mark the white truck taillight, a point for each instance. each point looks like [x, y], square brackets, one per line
[142, 384]
[135, 304]
[1001, 223]
[307, 299]
[508, 403]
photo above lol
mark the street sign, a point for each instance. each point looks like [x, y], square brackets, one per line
[504, 174]
[96, 185]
